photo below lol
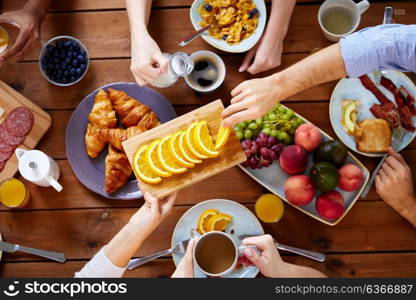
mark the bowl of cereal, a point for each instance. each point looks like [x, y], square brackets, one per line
[236, 25]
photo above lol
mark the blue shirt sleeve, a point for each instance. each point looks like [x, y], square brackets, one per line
[384, 47]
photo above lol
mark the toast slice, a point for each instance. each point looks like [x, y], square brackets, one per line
[373, 135]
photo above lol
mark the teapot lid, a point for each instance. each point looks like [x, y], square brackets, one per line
[33, 165]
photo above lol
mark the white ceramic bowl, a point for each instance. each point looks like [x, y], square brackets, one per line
[64, 38]
[220, 67]
[245, 44]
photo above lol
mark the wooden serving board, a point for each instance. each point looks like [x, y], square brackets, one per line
[10, 99]
[231, 153]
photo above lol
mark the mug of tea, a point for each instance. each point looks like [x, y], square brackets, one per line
[216, 254]
[339, 18]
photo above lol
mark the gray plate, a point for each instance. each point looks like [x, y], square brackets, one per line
[244, 222]
[91, 171]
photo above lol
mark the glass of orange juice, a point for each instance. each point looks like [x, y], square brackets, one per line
[4, 39]
[269, 208]
[13, 193]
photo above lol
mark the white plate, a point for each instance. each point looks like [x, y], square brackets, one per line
[244, 222]
[245, 44]
[352, 89]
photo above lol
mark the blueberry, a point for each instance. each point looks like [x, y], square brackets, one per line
[59, 44]
[67, 43]
[80, 57]
[83, 67]
[44, 60]
[75, 63]
[67, 61]
[64, 66]
[73, 71]
[59, 71]
[224, 37]
[208, 7]
[83, 53]
[79, 71]
[62, 54]
[55, 54]
[49, 48]
[253, 12]
[56, 60]
[66, 73]
[50, 65]
[73, 78]
[64, 80]
[69, 54]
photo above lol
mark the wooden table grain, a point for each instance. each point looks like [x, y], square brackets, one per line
[372, 241]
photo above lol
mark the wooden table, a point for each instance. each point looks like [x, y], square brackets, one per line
[372, 240]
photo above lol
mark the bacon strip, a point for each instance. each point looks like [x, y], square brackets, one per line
[403, 110]
[369, 85]
[387, 112]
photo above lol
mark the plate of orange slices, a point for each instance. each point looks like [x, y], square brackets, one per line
[218, 215]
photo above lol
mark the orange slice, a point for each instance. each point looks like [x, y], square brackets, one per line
[204, 219]
[141, 167]
[176, 153]
[222, 137]
[203, 140]
[183, 148]
[190, 143]
[219, 222]
[153, 160]
[166, 159]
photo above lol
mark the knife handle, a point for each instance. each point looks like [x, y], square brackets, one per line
[303, 252]
[56, 256]
[373, 177]
[134, 263]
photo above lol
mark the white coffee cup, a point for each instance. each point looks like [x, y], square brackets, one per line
[35, 166]
[353, 9]
[202, 242]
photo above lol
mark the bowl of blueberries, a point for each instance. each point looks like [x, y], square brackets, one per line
[64, 60]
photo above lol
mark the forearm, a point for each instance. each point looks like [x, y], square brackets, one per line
[125, 244]
[138, 12]
[279, 19]
[322, 66]
[295, 271]
[409, 211]
[37, 7]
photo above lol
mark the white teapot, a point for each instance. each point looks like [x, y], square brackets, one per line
[37, 167]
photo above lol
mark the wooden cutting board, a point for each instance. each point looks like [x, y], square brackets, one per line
[231, 153]
[10, 99]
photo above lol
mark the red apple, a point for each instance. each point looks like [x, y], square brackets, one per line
[350, 178]
[299, 190]
[308, 136]
[330, 205]
[293, 159]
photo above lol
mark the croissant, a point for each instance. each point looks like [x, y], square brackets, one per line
[116, 136]
[117, 170]
[102, 113]
[149, 121]
[94, 143]
[129, 110]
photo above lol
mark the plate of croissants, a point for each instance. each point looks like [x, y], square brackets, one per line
[95, 132]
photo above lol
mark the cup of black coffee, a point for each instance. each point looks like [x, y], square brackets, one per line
[208, 73]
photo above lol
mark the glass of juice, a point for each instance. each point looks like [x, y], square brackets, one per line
[4, 40]
[269, 208]
[13, 193]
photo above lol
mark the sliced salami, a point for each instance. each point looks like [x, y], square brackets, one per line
[3, 133]
[19, 122]
[4, 156]
[6, 147]
[2, 164]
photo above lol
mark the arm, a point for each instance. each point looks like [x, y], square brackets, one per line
[268, 52]
[271, 264]
[254, 98]
[112, 260]
[394, 184]
[147, 61]
[28, 20]
[372, 49]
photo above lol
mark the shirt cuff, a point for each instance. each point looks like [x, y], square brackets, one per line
[360, 56]
[100, 267]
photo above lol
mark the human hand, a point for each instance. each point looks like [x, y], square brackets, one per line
[185, 268]
[266, 55]
[152, 213]
[147, 61]
[394, 184]
[251, 100]
[268, 261]
[28, 22]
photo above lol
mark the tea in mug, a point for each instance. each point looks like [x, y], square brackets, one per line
[13, 193]
[4, 39]
[215, 254]
[338, 20]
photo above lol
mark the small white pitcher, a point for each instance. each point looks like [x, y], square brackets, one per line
[35, 166]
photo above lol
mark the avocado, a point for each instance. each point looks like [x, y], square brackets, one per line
[324, 176]
[334, 152]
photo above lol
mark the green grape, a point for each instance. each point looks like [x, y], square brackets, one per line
[267, 125]
[288, 126]
[286, 117]
[266, 131]
[252, 126]
[284, 135]
[287, 140]
[272, 116]
[276, 107]
[273, 132]
[290, 113]
[259, 121]
[291, 131]
[248, 134]
[282, 109]
[236, 128]
[280, 135]
[239, 135]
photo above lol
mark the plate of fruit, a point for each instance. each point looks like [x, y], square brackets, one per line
[302, 164]
[218, 215]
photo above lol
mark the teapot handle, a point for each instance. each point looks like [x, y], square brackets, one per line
[55, 184]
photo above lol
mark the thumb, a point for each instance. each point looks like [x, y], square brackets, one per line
[253, 256]
[162, 62]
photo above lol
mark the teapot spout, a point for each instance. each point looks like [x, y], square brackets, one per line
[19, 152]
